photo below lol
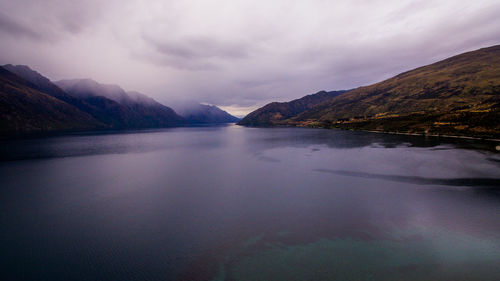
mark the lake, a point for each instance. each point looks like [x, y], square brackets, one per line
[236, 203]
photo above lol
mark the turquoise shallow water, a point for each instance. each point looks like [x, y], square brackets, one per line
[406, 255]
[234, 203]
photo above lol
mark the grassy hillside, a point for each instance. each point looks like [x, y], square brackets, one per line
[457, 96]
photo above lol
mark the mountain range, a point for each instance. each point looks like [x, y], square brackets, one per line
[30, 102]
[456, 96]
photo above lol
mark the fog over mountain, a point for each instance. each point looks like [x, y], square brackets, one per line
[197, 113]
[239, 55]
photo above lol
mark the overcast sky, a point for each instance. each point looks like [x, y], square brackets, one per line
[239, 54]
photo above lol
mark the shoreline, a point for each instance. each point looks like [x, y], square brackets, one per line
[496, 142]
[402, 133]
[491, 140]
[429, 135]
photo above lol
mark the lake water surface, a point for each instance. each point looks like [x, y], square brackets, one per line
[235, 203]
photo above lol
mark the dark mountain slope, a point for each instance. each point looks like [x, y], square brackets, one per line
[43, 84]
[25, 109]
[124, 109]
[196, 113]
[277, 112]
[40, 83]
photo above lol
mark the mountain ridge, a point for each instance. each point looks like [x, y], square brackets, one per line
[276, 112]
[119, 110]
[46, 86]
[459, 95]
[130, 109]
[26, 109]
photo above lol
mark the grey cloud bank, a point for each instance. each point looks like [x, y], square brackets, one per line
[239, 54]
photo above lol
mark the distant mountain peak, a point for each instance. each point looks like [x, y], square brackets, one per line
[27, 73]
[18, 66]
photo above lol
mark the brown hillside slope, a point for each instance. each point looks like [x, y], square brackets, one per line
[459, 95]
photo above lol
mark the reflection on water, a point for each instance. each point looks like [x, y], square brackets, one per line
[234, 203]
[476, 182]
[260, 138]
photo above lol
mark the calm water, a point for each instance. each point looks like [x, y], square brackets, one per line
[234, 203]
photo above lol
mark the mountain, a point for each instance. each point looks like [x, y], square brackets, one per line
[276, 113]
[40, 82]
[95, 106]
[456, 96]
[196, 113]
[119, 108]
[43, 84]
[23, 108]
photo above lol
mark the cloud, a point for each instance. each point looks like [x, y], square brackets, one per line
[199, 48]
[194, 53]
[49, 20]
[240, 54]
[11, 27]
